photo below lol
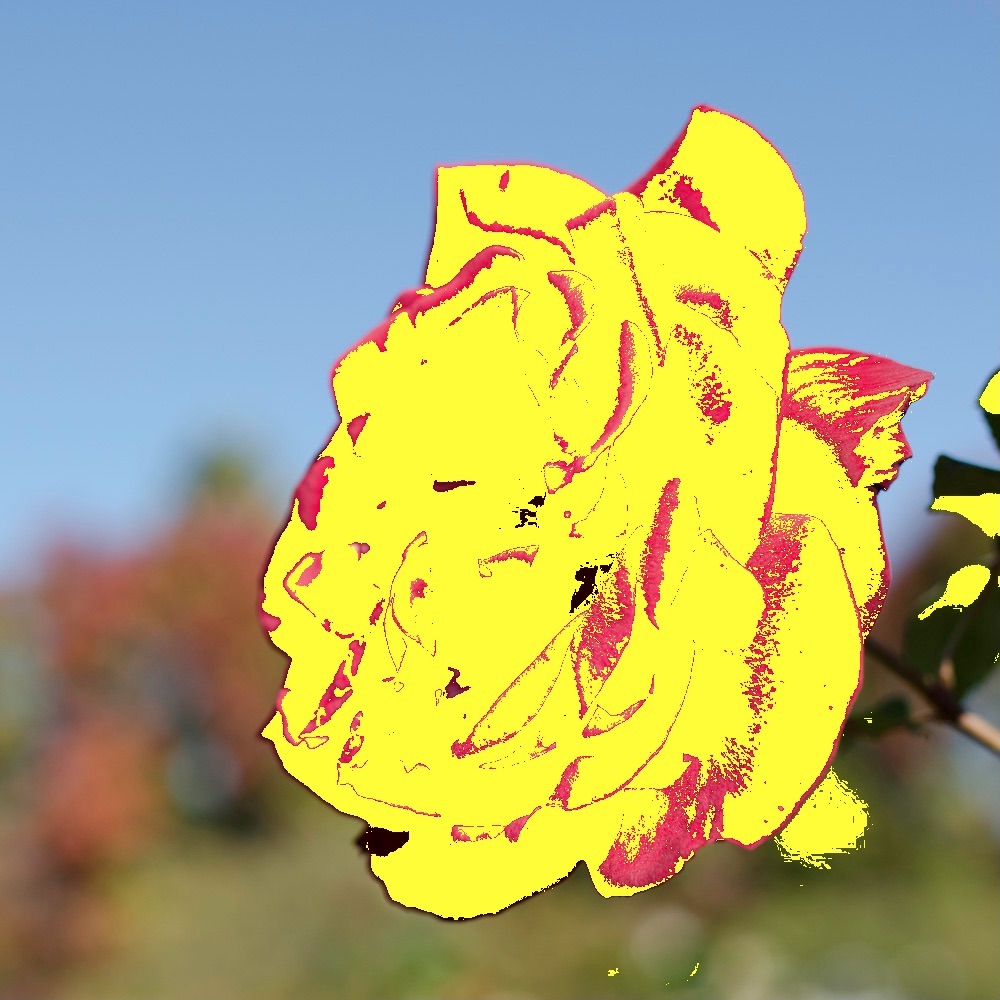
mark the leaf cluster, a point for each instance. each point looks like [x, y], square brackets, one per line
[951, 641]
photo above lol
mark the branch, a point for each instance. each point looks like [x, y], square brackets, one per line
[947, 708]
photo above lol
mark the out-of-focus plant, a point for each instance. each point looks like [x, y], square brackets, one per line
[951, 642]
[133, 686]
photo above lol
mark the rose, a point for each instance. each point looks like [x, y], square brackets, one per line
[585, 571]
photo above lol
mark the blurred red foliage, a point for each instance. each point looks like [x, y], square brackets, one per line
[148, 682]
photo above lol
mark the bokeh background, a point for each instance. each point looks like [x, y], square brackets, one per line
[202, 205]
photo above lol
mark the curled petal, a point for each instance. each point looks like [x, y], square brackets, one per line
[855, 402]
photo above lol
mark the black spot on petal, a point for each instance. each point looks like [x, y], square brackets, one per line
[586, 576]
[375, 840]
[445, 486]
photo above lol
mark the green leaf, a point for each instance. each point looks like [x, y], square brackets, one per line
[993, 422]
[975, 655]
[988, 400]
[926, 641]
[968, 637]
[955, 478]
[888, 714]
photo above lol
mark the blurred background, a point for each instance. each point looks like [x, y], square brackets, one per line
[203, 206]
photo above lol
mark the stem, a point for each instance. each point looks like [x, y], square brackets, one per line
[947, 708]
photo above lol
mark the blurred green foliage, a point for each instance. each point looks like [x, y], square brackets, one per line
[954, 648]
[966, 638]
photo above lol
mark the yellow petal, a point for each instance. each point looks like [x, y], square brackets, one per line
[758, 204]
[855, 402]
[517, 205]
[831, 821]
[806, 670]
[811, 479]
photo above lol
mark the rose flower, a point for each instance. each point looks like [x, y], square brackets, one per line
[585, 571]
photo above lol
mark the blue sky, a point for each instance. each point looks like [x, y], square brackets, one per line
[204, 204]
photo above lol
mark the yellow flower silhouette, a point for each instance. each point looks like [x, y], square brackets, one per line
[585, 570]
